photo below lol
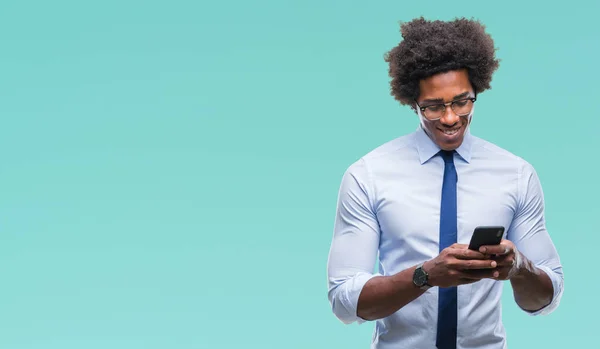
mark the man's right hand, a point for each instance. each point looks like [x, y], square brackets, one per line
[457, 265]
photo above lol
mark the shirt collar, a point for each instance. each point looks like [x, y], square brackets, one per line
[428, 149]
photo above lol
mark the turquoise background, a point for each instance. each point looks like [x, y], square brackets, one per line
[169, 170]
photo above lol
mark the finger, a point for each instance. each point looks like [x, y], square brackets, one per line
[468, 254]
[475, 264]
[505, 262]
[502, 258]
[495, 249]
[502, 273]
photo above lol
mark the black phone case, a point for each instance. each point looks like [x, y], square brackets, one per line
[486, 236]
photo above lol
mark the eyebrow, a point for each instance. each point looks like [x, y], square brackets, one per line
[440, 100]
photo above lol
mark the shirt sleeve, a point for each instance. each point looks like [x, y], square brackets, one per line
[529, 234]
[354, 245]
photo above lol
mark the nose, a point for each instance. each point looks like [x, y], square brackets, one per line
[450, 118]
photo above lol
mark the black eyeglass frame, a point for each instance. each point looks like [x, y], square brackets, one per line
[451, 104]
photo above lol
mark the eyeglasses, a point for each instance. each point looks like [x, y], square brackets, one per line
[461, 107]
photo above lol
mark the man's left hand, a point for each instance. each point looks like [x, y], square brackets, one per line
[506, 256]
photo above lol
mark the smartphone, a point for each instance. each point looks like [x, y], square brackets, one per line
[486, 235]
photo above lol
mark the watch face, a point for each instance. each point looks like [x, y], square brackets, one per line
[420, 278]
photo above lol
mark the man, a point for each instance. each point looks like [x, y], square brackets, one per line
[415, 201]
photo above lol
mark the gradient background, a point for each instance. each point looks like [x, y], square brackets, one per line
[169, 170]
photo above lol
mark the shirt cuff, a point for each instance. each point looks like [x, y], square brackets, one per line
[557, 284]
[344, 298]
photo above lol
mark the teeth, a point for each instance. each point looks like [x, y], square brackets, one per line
[450, 132]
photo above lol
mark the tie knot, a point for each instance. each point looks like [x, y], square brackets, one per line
[448, 156]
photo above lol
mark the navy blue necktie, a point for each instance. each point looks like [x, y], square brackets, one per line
[447, 305]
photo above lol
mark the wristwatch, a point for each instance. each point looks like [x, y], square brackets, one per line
[420, 278]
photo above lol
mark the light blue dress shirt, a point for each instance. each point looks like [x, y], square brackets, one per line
[388, 212]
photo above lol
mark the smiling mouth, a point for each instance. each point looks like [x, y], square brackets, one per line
[450, 131]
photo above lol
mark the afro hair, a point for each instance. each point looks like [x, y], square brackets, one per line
[431, 47]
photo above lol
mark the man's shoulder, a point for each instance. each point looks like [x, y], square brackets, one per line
[392, 147]
[383, 155]
[485, 149]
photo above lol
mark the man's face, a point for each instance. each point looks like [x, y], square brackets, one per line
[449, 130]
